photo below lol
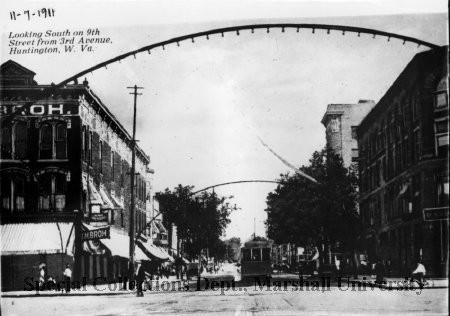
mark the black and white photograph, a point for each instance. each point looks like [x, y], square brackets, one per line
[213, 157]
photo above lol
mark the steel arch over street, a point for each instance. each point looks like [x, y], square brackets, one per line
[235, 182]
[222, 31]
[252, 27]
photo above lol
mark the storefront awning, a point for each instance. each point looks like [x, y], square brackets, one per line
[155, 229]
[37, 238]
[139, 255]
[94, 196]
[107, 204]
[117, 202]
[153, 251]
[118, 244]
[161, 227]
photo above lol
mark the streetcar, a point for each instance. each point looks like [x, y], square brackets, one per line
[256, 259]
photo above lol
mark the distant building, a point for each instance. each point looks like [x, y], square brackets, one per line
[341, 122]
[64, 169]
[233, 249]
[404, 181]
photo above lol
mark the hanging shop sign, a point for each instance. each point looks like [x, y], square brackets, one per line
[435, 214]
[101, 233]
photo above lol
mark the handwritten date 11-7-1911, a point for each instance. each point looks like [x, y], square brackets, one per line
[29, 14]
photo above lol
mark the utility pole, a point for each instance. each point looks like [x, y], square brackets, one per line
[132, 178]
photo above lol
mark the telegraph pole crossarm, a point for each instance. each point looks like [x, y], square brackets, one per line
[132, 184]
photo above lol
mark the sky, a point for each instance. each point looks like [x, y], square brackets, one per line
[205, 104]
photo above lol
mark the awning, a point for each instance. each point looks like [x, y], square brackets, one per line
[95, 197]
[118, 244]
[117, 202]
[164, 251]
[155, 229]
[107, 204]
[153, 251]
[161, 227]
[139, 255]
[37, 238]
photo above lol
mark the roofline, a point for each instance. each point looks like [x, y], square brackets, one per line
[90, 92]
[412, 61]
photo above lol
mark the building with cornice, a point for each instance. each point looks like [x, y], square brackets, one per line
[64, 171]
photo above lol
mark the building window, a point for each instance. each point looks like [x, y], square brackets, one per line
[440, 100]
[442, 189]
[112, 166]
[91, 138]
[355, 155]
[46, 142]
[13, 194]
[20, 140]
[83, 143]
[354, 132]
[416, 187]
[122, 173]
[60, 141]
[6, 148]
[441, 132]
[52, 192]
[53, 141]
[416, 141]
[100, 156]
[86, 144]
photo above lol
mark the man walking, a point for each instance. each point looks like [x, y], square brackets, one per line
[140, 278]
[67, 277]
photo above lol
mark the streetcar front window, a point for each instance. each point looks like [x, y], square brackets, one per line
[266, 254]
[256, 254]
[246, 255]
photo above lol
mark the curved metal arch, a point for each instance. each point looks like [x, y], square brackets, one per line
[251, 27]
[234, 182]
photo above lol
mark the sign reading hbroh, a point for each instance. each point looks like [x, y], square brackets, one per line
[100, 233]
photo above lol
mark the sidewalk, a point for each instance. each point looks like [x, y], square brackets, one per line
[431, 283]
[86, 290]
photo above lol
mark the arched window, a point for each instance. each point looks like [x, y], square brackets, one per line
[13, 194]
[112, 166]
[5, 143]
[52, 192]
[100, 155]
[20, 140]
[53, 141]
[61, 141]
[46, 141]
[5, 193]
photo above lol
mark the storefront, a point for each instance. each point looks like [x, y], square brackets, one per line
[26, 247]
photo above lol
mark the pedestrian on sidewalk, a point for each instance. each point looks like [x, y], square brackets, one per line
[42, 276]
[140, 278]
[419, 273]
[67, 276]
[379, 271]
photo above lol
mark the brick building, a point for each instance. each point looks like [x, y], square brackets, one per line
[404, 184]
[64, 168]
[341, 122]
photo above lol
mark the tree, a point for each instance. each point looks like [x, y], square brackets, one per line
[307, 213]
[201, 220]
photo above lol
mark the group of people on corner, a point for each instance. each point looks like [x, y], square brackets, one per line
[45, 279]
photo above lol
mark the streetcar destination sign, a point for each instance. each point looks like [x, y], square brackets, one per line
[101, 233]
[435, 214]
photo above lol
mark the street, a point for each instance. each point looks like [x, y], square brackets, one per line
[248, 300]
